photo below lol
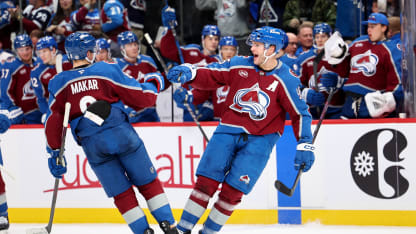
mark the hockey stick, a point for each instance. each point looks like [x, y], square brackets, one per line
[188, 107]
[48, 228]
[172, 27]
[278, 184]
[165, 68]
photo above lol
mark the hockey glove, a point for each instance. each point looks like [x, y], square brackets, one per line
[304, 155]
[312, 97]
[378, 104]
[182, 73]
[331, 80]
[16, 115]
[56, 166]
[5, 122]
[169, 17]
[157, 79]
[335, 49]
[182, 95]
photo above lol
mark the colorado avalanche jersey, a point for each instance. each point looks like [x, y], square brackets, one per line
[5, 16]
[40, 16]
[370, 67]
[41, 75]
[290, 61]
[144, 64]
[83, 19]
[191, 53]
[217, 97]
[306, 73]
[84, 85]
[16, 88]
[114, 19]
[258, 100]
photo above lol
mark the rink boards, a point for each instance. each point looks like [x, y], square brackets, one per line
[364, 174]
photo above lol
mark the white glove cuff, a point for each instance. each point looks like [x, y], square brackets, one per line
[192, 68]
[304, 94]
[305, 147]
[5, 112]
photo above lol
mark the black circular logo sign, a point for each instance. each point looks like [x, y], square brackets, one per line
[364, 163]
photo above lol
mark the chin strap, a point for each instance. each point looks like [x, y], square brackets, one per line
[267, 57]
[92, 60]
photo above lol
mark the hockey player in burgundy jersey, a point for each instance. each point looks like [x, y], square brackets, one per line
[99, 124]
[17, 95]
[228, 48]
[373, 87]
[138, 66]
[103, 50]
[311, 62]
[262, 90]
[18, 102]
[193, 54]
[52, 64]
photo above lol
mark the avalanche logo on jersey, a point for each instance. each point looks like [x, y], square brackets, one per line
[28, 91]
[252, 100]
[222, 93]
[228, 9]
[365, 63]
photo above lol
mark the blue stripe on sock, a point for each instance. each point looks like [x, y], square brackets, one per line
[188, 217]
[163, 213]
[3, 209]
[139, 225]
[212, 225]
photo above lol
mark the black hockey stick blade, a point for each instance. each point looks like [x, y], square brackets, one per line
[286, 190]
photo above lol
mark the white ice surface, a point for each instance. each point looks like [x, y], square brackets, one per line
[310, 228]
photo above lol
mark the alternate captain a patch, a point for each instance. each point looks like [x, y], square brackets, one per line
[253, 101]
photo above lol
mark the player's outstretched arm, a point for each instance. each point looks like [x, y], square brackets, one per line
[335, 49]
[156, 79]
[182, 73]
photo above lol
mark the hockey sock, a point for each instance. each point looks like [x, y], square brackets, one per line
[3, 201]
[228, 199]
[127, 204]
[157, 201]
[197, 203]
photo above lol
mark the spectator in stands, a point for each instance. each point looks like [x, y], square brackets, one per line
[7, 11]
[232, 19]
[87, 17]
[60, 26]
[113, 22]
[36, 15]
[35, 35]
[305, 37]
[290, 58]
[298, 11]
[393, 32]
